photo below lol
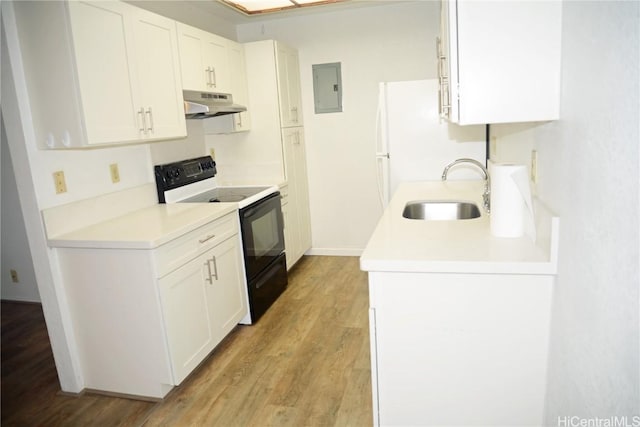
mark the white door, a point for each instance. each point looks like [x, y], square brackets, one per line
[104, 48]
[159, 76]
[226, 291]
[215, 58]
[238, 75]
[192, 62]
[185, 305]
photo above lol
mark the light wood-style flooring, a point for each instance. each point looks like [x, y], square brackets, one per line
[305, 363]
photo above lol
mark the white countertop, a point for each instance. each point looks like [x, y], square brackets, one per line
[465, 246]
[146, 228]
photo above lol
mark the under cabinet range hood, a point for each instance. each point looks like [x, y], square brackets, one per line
[202, 105]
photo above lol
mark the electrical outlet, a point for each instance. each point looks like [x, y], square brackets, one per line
[59, 182]
[534, 166]
[212, 152]
[115, 173]
[14, 276]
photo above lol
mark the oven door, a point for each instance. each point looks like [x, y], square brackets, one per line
[262, 233]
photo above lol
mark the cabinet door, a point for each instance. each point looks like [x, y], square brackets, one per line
[289, 86]
[302, 191]
[186, 310]
[238, 74]
[288, 238]
[102, 40]
[215, 58]
[298, 193]
[226, 291]
[195, 75]
[159, 76]
[295, 97]
[509, 74]
[447, 56]
[203, 60]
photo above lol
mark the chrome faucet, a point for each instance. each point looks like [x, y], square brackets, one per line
[486, 196]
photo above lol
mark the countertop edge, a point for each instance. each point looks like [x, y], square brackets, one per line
[459, 267]
[71, 241]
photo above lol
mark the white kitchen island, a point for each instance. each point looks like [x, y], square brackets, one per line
[459, 319]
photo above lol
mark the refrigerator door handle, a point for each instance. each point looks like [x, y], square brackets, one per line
[382, 178]
[382, 147]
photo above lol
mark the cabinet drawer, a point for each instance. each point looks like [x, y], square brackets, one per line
[179, 251]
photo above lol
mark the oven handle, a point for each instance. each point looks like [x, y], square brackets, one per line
[260, 205]
[268, 275]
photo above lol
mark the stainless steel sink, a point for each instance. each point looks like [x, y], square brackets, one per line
[440, 210]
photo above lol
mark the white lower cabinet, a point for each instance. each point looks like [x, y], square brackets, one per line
[202, 301]
[144, 319]
[459, 349]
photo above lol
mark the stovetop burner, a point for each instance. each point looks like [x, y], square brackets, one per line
[224, 195]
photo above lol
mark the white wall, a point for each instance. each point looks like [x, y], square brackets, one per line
[15, 249]
[384, 43]
[588, 173]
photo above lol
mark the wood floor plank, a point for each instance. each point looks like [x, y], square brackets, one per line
[305, 362]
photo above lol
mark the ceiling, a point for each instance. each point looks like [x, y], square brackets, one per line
[225, 12]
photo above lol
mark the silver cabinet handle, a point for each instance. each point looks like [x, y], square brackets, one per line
[214, 80]
[206, 239]
[294, 110]
[215, 267]
[150, 113]
[446, 101]
[443, 91]
[208, 74]
[143, 121]
[440, 93]
[209, 277]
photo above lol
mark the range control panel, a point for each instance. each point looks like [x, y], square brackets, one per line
[178, 174]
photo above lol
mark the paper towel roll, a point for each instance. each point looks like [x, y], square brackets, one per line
[511, 204]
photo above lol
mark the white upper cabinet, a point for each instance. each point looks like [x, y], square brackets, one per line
[241, 121]
[203, 59]
[159, 74]
[106, 74]
[238, 122]
[101, 73]
[288, 69]
[499, 61]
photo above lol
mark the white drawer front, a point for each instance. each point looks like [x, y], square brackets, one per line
[179, 251]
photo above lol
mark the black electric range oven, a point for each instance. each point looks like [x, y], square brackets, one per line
[261, 224]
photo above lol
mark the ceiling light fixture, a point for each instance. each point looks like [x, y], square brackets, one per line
[254, 7]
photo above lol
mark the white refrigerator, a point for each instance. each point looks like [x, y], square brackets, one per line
[414, 144]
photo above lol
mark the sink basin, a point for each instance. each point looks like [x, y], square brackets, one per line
[440, 210]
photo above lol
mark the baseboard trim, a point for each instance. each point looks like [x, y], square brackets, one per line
[335, 251]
